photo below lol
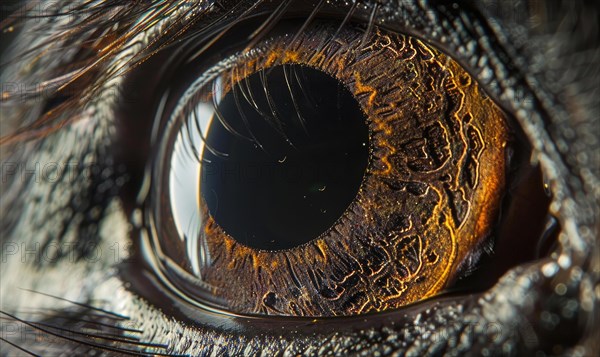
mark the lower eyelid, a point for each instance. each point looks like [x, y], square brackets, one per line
[260, 328]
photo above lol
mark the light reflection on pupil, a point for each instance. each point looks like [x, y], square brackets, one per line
[299, 164]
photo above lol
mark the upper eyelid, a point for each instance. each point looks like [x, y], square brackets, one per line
[155, 29]
[174, 17]
[408, 17]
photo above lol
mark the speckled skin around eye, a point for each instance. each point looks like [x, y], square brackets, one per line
[518, 53]
[429, 197]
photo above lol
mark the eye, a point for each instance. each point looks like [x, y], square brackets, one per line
[321, 175]
[147, 137]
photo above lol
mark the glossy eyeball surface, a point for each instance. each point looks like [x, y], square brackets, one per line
[418, 196]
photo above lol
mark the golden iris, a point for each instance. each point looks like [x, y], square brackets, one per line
[430, 195]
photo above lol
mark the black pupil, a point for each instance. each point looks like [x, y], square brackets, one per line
[297, 149]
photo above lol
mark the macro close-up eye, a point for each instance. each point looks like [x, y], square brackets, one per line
[194, 178]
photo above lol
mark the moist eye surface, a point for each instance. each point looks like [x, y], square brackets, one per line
[422, 151]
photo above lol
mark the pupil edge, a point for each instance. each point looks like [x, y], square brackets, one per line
[297, 151]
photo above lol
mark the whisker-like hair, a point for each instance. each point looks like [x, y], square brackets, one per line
[247, 94]
[218, 34]
[246, 90]
[156, 43]
[302, 28]
[79, 30]
[220, 117]
[53, 313]
[52, 42]
[195, 155]
[86, 306]
[60, 313]
[307, 94]
[268, 24]
[37, 131]
[294, 102]
[53, 84]
[97, 39]
[272, 119]
[99, 336]
[370, 25]
[19, 347]
[309, 19]
[48, 331]
[326, 41]
[234, 90]
[207, 146]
